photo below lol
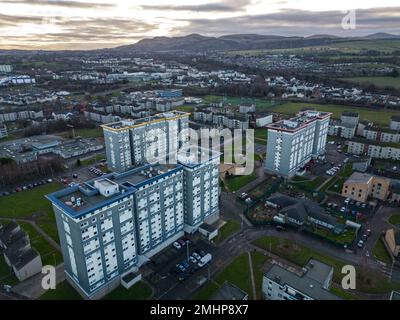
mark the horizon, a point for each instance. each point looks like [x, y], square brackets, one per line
[52, 25]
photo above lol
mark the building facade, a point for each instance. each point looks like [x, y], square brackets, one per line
[312, 283]
[110, 226]
[3, 131]
[361, 186]
[379, 151]
[132, 143]
[294, 142]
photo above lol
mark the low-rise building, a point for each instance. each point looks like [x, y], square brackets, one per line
[263, 121]
[392, 240]
[342, 130]
[350, 118]
[361, 186]
[18, 254]
[300, 211]
[3, 131]
[395, 123]
[312, 283]
[374, 150]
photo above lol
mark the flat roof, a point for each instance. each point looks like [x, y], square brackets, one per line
[304, 283]
[133, 123]
[300, 121]
[90, 197]
[358, 177]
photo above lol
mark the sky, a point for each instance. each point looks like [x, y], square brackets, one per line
[92, 24]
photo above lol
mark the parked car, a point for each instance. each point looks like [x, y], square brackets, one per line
[347, 200]
[360, 244]
[343, 210]
[181, 242]
[364, 238]
[196, 256]
[185, 264]
[180, 267]
[368, 233]
[192, 259]
[176, 245]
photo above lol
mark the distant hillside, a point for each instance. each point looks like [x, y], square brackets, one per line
[199, 43]
[237, 42]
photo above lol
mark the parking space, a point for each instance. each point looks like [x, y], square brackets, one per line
[172, 266]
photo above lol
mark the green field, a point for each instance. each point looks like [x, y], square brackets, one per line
[63, 291]
[25, 203]
[381, 117]
[237, 182]
[50, 256]
[238, 273]
[139, 291]
[6, 274]
[379, 252]
[380, 82]
[229, 228]
[258, 260]
[395, 219]
[261, 104]
[367, 280]
[89, 133]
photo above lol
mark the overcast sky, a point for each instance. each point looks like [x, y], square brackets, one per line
[88, 24]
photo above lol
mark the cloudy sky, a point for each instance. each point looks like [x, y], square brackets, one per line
[88, 24]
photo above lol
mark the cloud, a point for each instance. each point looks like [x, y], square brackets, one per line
[298, 23]
[224, 6]
[61, 3]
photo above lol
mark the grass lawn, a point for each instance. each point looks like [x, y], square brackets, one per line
[367, 280]
[308, 184]
[261, 134]
[139, 291]
[337, 186]
[25, 203]
[261, 104]
[380, 82]
[344, 294]
[89, 133]
[379, 252]
[50, 256]
[237, 182]
[93, 159]
[63, 291]
[229, 228]
[395, 219]
[238, 273]
[258, 260]
[381, 117]
[6, 274]
[50, 228]
[207, 291]
[185, 108]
